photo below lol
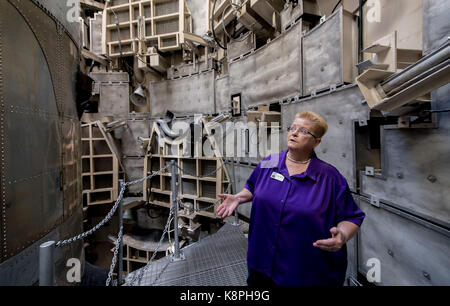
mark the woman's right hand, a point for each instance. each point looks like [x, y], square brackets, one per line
[228, 205]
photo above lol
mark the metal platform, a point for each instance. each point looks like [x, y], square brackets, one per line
[217, 260]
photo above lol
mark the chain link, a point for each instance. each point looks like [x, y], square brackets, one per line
[116, 251]
[138, 276]
[95, 228]
[147, 177]
[111, 212]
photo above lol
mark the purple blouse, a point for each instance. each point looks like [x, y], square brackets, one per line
[289, 213]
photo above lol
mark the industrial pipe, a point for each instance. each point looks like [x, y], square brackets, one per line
[165, 128]
[419, 77]
[426, 63]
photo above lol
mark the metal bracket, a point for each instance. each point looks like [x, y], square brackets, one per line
[404, 122]
[362, 122]
[370, 171]
[374, 201]
[174, 259]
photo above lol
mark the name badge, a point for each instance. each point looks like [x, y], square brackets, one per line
[277, 176]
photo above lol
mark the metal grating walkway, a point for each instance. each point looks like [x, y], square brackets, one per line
[217, 260]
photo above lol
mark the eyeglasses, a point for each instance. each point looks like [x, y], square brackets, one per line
[303, 131]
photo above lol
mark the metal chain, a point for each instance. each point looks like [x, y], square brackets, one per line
[206, 208]
[147, 177]
[95, 228]
[111, 212]
[116, 251]
[196, 209]
[138, 276]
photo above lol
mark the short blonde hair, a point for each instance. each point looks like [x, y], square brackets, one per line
[320, 126]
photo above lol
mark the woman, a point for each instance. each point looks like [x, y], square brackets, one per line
[302, 213]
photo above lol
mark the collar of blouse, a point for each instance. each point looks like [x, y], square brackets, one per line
[310, 172]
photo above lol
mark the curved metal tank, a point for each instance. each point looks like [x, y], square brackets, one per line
[40, 170]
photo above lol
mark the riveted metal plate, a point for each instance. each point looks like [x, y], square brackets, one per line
[32, 139]
[23, 269]
[64, 13]
[71, 145]
[39, 126]
[2, 142]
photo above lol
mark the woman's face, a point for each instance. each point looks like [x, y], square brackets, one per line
[298, 141]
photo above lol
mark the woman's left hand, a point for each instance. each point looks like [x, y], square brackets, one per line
[332, 244]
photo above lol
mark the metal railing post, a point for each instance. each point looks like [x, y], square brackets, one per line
[175, 209]
[233, 185]
[120, 266]
[46, 264]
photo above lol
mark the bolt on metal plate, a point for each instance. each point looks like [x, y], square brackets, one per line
[370, 171]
